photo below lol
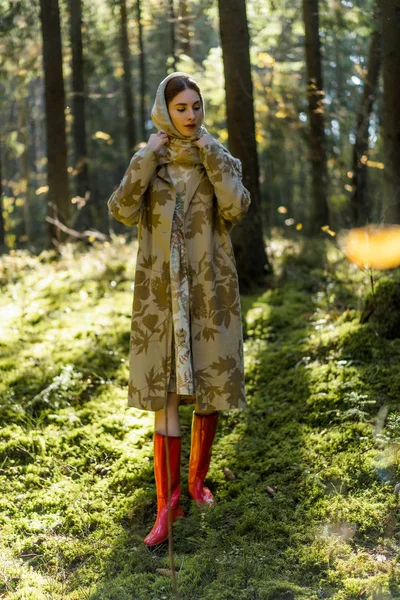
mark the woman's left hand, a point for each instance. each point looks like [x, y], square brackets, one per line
[205, 139]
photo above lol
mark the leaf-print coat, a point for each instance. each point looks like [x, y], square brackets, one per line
[216, 200]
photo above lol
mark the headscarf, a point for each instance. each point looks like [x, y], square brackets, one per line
[181, 148]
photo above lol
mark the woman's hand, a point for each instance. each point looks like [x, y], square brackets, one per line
[205, 139]
[157, 141]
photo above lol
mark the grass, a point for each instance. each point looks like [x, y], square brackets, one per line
[313, 510]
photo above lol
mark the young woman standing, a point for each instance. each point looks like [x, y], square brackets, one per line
[184, 191]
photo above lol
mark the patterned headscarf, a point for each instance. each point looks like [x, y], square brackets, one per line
[181, 148]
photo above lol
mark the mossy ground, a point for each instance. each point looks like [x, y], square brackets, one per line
[312, 512]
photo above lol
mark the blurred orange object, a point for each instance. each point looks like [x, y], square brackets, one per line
[372, 246]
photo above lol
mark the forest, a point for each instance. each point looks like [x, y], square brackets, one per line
[306, 94]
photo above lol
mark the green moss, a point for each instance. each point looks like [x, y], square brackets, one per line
[311, 511]
[382, 308]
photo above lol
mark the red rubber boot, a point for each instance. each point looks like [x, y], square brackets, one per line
[159, 533]
[203, 433]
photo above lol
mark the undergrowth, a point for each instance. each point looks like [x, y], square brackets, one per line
[311, 509]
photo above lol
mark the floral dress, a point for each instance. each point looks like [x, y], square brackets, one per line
[181, 380]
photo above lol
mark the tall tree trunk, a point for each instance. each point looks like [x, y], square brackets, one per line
[183, 28]
[390, 13]
[2, 230]
[23, 133]
[360, 205]
[142, 70]
[319, 204]
[339, 97]
[33, 134]
[171, 19]
[57, 175]
[37, 132]
[128, 96]
[247, 236]
[339, 100]
[81, 167]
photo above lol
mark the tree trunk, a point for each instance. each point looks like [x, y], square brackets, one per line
[319, 204]
[247, 236]
[360, 205]
[23, 135]
[339, 102]
[172, 34]
[81, 166]
[57, 175]
[37, 131]
[390, 13]
[183, 28]
[339, 99]
[128, 96]
[142, 69]
[2, 231]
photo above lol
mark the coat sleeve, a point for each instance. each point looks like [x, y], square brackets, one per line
[126, 202]
[225, 175]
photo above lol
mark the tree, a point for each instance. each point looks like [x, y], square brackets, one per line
[183, 28]
[315, 93]
[171, 19]
[127, 78]
[57, 176]
[81, 169]
[390, 14]
[360, 204]
[247, 237]
[142, 69]
[23, 133]
[2, 230]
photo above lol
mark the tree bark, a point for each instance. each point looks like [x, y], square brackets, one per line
[340, 97]
[390, 14]
[81, 166]
[183, 28]
[23, 134]
[57, 174]
[171, 20]
[142, 69]
[128, 96]
[360, 204]
[247, 236]
[2, 231]
[319, 204]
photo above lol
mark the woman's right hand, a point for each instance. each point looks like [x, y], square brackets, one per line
[157, 141]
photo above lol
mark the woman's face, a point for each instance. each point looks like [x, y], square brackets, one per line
[186, 112]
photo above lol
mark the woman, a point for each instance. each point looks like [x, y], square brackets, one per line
[184, 191]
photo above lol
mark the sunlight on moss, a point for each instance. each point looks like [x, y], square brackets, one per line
[311, 511]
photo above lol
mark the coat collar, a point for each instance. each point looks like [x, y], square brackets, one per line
[163, 173]
[191, 186]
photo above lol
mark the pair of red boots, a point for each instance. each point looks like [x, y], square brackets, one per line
[203, 433]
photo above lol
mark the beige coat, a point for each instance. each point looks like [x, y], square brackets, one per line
[146, 197]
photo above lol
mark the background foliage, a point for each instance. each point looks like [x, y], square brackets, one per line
[277, 55]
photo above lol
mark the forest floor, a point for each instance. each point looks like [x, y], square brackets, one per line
[313, 510]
